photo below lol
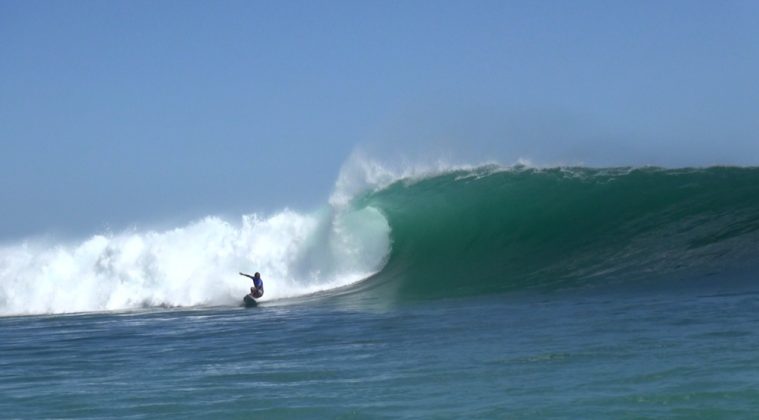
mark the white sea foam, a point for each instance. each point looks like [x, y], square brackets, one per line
[195, 264]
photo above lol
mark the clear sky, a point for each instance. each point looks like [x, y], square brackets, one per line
[115, 113]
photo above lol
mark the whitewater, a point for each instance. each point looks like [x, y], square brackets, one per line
[193, 265]
[197, 264]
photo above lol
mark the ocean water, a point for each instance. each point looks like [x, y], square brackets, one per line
[484, 292]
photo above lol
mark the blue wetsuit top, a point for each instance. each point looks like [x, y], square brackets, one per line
[258, 283]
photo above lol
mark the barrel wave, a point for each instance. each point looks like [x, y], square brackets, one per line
[426, 234]
[494, 229]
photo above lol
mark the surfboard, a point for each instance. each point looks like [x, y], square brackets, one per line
[249, 302]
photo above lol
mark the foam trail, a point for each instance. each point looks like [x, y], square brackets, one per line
[194, 265]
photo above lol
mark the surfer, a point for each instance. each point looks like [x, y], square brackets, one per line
[258, 285]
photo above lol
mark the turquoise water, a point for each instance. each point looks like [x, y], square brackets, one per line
[558, 293]
[586, 356]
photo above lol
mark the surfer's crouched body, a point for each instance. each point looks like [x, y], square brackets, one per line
[258, 285]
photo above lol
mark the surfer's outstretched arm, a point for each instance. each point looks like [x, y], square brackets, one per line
[246, 275]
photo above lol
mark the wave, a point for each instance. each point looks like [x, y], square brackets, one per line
[494, 229]
[417, 233]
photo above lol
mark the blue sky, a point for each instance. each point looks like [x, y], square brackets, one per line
[148, 112]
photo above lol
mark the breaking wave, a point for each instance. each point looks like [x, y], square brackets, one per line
[418, 233]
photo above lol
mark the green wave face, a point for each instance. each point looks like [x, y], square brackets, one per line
[491, 230]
